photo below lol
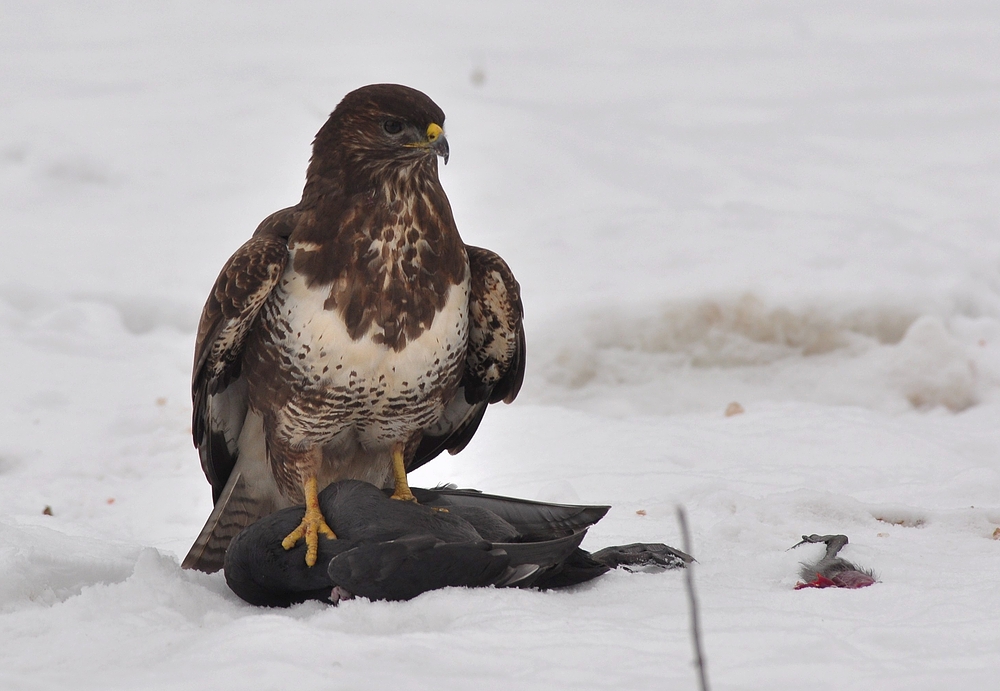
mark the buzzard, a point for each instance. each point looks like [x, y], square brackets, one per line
[354, 335]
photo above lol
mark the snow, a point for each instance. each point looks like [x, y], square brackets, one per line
[788, 205]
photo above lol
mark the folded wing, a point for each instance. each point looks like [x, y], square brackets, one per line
[218, 387]
[494, 363]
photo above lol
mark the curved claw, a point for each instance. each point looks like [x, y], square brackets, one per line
[402, 491]
[312, 526]
[404, 495]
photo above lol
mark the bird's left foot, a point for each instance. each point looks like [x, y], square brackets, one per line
[403, 494]
[402, 491]
[402, 488]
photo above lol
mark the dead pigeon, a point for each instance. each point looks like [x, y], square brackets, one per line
[392, 550]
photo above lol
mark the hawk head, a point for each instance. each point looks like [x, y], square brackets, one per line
[379, 129]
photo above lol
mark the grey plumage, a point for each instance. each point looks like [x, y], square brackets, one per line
[396, 550]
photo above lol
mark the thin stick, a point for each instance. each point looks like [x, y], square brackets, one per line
[699, 656]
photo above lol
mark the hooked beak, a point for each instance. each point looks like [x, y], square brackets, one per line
[437, 142]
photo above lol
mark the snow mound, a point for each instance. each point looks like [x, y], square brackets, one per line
[702, 355]
[931, 367]
[42, 566]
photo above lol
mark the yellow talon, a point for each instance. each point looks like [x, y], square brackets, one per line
[402, 491]
[312, 525]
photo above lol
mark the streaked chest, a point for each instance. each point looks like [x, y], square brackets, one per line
[334, 377]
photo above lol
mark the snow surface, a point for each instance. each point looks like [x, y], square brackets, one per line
[789, 205]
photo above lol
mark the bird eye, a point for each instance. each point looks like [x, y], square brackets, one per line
[392, 126]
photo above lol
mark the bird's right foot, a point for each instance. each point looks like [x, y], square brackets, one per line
[312, 526]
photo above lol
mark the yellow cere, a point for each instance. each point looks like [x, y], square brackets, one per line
[433, 132]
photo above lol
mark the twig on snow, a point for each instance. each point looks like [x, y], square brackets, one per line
[699, 656]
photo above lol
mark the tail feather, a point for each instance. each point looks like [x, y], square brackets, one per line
[236, 508]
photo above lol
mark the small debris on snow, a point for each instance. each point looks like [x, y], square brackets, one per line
[904, 517]
[734, 408]
[47, 511]
[832, 571]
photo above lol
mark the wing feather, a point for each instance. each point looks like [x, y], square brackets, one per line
[494, 367]
[495, 358]
[218, 389]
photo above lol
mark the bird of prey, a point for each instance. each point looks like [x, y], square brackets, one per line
[354, 335]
